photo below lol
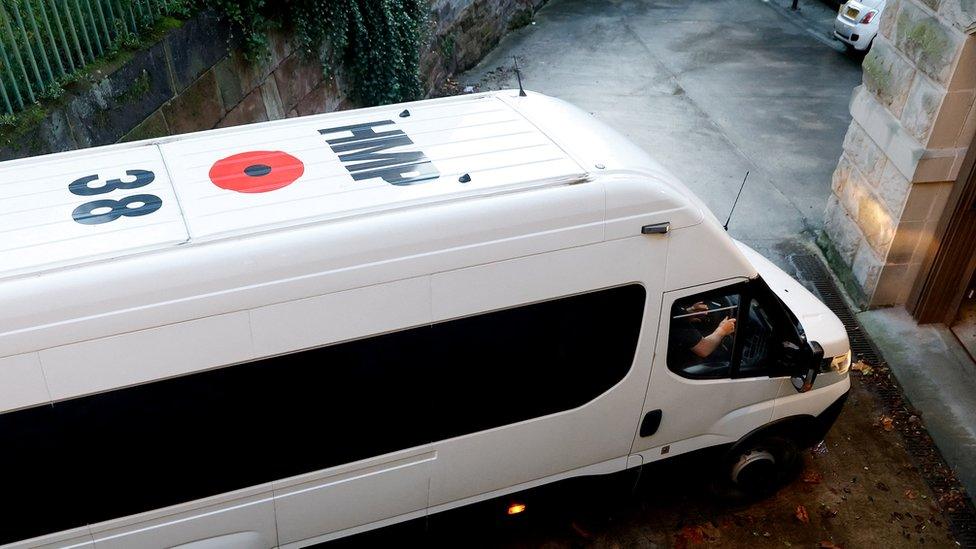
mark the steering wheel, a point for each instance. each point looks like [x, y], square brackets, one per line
[726, 344]
[717, 316]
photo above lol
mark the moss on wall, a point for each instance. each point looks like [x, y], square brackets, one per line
[924, 40]
[841, 270]
[139, 88]
[876, 74]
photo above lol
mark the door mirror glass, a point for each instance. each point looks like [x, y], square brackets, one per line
[807, 370]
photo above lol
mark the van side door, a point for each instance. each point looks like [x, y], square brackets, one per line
[715, 375]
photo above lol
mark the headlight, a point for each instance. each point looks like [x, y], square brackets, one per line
[841, 364]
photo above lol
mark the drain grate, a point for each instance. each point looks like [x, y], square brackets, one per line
[957, 508]
[813, 271]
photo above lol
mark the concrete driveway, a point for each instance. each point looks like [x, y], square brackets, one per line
[711, 88]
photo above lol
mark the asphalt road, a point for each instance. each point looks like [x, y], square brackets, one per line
[712, 89]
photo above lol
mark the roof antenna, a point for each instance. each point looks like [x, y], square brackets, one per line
[518, 74]
[726, 226]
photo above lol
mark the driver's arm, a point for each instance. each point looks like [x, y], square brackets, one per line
[707, 345]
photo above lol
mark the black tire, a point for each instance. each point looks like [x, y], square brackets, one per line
[759, 468]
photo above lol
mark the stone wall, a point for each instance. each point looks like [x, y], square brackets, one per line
[913, 121]
[195, 79]
[465, 30]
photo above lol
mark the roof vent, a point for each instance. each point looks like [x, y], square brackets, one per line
[466, 178]
[405, 113]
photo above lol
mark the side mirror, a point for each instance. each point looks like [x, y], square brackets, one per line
[808, 369]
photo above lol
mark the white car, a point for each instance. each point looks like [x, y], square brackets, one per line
[857, 22]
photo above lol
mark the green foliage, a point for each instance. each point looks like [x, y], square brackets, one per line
[49, 45]
[520, 18]
[139, 88]
[13, 127]
[876, 74]
[376, 42]
[447, 46]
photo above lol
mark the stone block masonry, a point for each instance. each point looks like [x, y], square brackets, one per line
[913, 121]
[196, 79]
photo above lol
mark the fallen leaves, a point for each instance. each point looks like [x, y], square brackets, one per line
[698, 534]
[689, 536]
[812, 477]
[951, 500]
[802, 515]
[910, 494]
[711, 532]
[887, 423]
[826, 512]
[862, 367]
[828, 545]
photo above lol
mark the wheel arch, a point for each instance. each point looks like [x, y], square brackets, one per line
[803, 429]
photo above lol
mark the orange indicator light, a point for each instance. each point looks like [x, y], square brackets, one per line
[516, 508]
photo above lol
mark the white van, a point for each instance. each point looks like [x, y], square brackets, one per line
[285, 333]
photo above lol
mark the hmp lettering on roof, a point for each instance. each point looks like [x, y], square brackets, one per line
[366, 155]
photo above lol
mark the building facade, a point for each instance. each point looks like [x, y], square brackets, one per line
[901, 215]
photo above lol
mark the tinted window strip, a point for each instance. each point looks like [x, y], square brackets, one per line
[131, 450]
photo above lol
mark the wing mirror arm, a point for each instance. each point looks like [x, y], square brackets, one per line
[803, 382]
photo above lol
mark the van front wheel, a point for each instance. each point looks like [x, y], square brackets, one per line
[761, 467]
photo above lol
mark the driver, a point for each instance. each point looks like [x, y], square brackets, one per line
[687, 337]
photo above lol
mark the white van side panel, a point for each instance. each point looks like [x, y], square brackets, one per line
[22, 382]
[632, 203]
[198, 281]
[340, 316]
[815, 401]
[76, 538]
[252, 514]
[599, 431]
[605, 468]
[703, 254]
[309, 505]
[325, 502]
[146, 355]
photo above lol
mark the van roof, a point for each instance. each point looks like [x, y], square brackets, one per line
[73, 207]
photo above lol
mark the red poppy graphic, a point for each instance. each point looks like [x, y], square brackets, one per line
[256, 171]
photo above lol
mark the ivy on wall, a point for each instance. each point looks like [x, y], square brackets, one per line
[376, 42]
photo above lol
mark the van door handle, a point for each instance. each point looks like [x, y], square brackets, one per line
[652, 420]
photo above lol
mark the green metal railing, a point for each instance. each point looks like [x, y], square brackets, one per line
[45, 43]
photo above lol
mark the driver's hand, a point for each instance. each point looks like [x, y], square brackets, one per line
[698, 308]
[726, 327]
